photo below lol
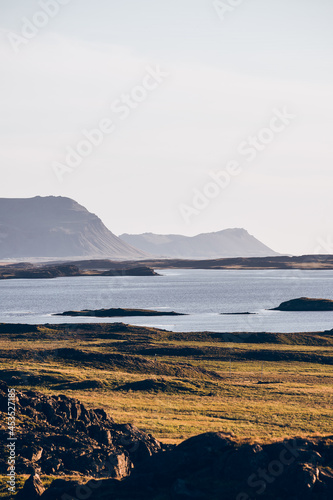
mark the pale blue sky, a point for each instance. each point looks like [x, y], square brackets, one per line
[225, 79]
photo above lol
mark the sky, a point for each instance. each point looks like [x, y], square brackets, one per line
[174, 116]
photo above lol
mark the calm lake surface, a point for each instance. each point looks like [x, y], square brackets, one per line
[202, 294]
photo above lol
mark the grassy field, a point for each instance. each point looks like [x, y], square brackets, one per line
[175, 385]
[20, 480]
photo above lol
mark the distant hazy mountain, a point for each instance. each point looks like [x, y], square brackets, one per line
[227, 243]
[56, 227]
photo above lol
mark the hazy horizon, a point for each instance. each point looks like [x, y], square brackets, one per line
[211, 120]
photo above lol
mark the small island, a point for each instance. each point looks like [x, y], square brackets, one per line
[237, 314]
[305, 304]
[118, 313]
[131, 271]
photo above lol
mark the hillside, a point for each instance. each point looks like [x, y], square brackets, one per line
[56, 227]
[226, 243]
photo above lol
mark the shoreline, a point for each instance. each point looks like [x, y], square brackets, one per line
[105, 267]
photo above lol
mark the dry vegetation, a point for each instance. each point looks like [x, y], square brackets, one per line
[174, 385]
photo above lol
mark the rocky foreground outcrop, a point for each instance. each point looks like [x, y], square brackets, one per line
[58, 435]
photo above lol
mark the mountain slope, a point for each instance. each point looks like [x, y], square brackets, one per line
[56, 227]
[226, 243]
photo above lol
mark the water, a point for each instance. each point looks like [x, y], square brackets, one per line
[202, 294]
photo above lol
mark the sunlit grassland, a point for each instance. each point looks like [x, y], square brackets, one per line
[243, 391]
[20, 480]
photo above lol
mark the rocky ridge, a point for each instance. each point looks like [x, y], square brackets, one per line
[59, 435]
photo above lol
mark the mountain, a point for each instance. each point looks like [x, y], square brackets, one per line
[56, 227]
[226, 243]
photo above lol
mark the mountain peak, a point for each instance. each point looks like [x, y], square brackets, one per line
[233, 242]
[56, 227]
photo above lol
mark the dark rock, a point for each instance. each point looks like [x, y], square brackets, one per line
[61, 436]
[245, 461]
[59, 489]
[213, 465]
[52, 465]
[305, 304]
[118, 466]
[326, 478]
[184, 491]
[33, 489]
[300, 480]
[102, 415]
[32, 453]
[100, 434]
[208, 466]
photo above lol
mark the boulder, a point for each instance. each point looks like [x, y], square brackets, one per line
[61, 436]
[32, 490]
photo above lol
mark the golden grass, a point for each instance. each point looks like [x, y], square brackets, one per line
[252, 398]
